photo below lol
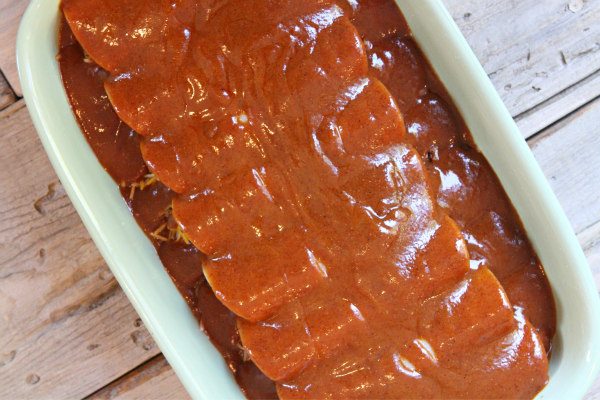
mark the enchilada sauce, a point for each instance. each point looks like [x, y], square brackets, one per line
[475, 227]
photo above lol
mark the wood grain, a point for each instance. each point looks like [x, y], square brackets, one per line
[67, 329]
[153, 380]
[569, 154]
[10, 15]
[532, 50]
[556, 107]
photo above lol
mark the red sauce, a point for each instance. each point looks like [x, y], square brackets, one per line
[117, 148]
[432, 150]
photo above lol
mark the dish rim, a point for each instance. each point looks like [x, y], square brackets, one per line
[140, 273]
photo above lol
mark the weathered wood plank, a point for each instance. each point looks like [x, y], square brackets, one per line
[67, 328]
[10, 15]
[532, 50]
[152, 380]
[7, 97]
[555, 108]
[568, 152]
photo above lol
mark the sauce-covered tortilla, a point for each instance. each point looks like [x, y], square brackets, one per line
[314, 195]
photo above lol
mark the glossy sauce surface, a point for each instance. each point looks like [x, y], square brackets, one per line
[345, 327]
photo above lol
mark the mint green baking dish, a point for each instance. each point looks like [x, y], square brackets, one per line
[576, 356]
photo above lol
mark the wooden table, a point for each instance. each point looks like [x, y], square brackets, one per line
[68, 331]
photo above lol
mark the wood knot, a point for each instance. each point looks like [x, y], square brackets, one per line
[105, 275]
[142, 340]
[49, 196]
[575, 5]
[32, 379]
[7, 358]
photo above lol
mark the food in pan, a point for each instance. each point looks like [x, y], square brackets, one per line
[314, 195]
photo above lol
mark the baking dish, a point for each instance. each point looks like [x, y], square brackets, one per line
[576, 354]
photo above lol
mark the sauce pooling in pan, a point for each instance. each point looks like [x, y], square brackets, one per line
[424, 142]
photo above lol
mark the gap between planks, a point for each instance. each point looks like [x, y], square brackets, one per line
[560, 106]
[7, 95]
[153, 376]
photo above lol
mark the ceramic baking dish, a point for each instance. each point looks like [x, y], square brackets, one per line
[131, 257]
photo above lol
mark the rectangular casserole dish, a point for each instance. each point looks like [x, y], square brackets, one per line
[133, 260]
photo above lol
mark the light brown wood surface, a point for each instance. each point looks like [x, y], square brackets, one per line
[66, 328]
[10, 15]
